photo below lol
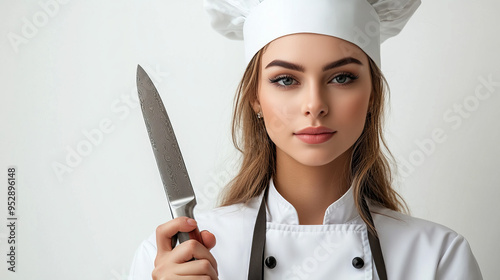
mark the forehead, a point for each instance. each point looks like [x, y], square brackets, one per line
[309, 48]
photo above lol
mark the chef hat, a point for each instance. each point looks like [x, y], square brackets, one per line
[365, 23]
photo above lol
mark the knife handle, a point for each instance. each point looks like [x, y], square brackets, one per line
[185, 236]
[194, 234]
[187, 211]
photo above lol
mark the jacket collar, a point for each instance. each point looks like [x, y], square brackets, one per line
[280, 211]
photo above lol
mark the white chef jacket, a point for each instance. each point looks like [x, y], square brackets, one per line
[413, 249]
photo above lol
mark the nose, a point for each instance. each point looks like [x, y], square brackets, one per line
[315, 103]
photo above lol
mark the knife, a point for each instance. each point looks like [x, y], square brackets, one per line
[175, 178]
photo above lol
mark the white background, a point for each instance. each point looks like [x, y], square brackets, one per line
[68, 70]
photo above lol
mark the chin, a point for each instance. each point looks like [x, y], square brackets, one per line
[317, 159]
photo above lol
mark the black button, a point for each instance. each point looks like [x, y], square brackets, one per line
[270, 262]
[358, 262]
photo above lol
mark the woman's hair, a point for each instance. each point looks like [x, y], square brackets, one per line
[369, 167]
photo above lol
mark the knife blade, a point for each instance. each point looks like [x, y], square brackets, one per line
[173, 172]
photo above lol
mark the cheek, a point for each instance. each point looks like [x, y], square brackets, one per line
[279, 112]
[352, 110]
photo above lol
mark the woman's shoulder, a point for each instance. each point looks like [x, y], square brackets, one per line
[397, 222]
[218, 218]
[432, 247]
[240, 215]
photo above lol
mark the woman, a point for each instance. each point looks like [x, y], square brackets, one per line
[313, 198]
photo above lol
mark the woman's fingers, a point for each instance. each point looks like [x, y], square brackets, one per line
[179, 264]
[190, 249]
[166, 231]
[188, 260]
[196, 267]
[208, 239]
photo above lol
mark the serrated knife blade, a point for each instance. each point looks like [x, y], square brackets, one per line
[173, 172]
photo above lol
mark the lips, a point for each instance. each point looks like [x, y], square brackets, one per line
[315, 135]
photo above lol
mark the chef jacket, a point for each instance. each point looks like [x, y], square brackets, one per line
[413, 249]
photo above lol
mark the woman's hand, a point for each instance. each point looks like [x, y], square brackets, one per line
[177, 263]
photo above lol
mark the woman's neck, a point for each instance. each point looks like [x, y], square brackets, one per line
[311, 189]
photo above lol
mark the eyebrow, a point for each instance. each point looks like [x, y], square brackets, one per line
[300, 68]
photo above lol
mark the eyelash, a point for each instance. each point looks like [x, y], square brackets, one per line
[350, 76]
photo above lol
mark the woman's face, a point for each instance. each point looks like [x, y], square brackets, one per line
[314, 92]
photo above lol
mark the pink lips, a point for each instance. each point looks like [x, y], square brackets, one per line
[314, 135]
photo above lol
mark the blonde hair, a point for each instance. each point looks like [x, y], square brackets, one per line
[369, 168]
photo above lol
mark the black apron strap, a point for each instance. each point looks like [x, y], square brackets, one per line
[378, 258]
[256, 268]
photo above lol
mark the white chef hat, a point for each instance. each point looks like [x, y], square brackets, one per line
[365, 23]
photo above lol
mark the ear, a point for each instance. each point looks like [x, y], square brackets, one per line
[256, 105]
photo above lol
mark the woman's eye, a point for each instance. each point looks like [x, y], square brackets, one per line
[287, 81]
[283, 81]
[344, 78]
